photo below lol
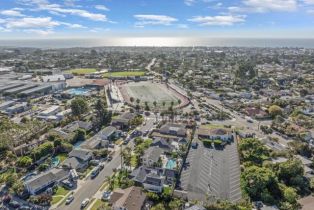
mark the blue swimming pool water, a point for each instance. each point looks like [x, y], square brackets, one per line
[77, 145]
[55, 161]
[171, 164]
[78, 91]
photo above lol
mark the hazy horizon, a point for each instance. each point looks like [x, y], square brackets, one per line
[159, 42]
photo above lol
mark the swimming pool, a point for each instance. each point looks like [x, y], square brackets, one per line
[171, 164]
[78, 91]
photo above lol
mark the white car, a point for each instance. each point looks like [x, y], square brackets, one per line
[84, 203]
[69, 199]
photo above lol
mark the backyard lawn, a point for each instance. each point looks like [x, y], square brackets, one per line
[124, 73]
[82, 71]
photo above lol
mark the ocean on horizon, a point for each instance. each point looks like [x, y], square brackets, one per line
[160, 42]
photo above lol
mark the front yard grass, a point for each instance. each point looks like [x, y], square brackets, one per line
[98, 203]
[59, 195]
[61, 191]
[62, 157]
[56, 199]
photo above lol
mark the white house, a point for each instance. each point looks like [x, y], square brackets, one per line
[215, 133]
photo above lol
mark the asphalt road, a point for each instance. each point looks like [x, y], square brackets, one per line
[149, 124]
[240, 122]
[91, 186]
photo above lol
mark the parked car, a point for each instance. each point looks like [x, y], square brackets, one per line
[84, 203]
[24, 207]
[94, 162]
[109, 158]
[101, 166]
[95, 172]
[69, 200]
[14, 204]
[194, 145]
[67, 184]
[106, 195]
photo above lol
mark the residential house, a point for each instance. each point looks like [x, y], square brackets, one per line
[132, 198]
[123, 121]
[78, 159]
[109, 133]
[195, 207]
[215, 133]
[173, 129]
[152, 156]
[87, 126]
[150, 178]
[17, 108]
[163, 144]
[153, 179]
[43, 181]
[256, 113]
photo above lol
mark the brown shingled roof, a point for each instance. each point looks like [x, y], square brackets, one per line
[131, 198]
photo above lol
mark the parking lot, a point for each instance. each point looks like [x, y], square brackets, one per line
[211, 174]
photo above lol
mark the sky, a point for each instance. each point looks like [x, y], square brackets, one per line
[41, 19]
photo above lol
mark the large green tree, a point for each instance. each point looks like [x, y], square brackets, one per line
[275, 110]
[102, 115]
[79, 106]
[259, 183]
[253, 150]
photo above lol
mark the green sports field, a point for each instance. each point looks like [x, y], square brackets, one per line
[82, 71]
[150, 92]
[125, 74]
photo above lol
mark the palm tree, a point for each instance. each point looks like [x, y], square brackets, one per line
[138, 100]
[126, 155]
[164, 104]
[155, 104]
[132, 100]
[179, 101]
[172, 103]
[110, 181]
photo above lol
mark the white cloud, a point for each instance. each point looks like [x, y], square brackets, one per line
[58, 9]
[12, 12]
[310, 11]
[102, 7]
[308, 1]
[154, 20]
[70, 25]
[220, 20]
[189, 2]
[262, 6]
[39, 22]
[39, 31]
